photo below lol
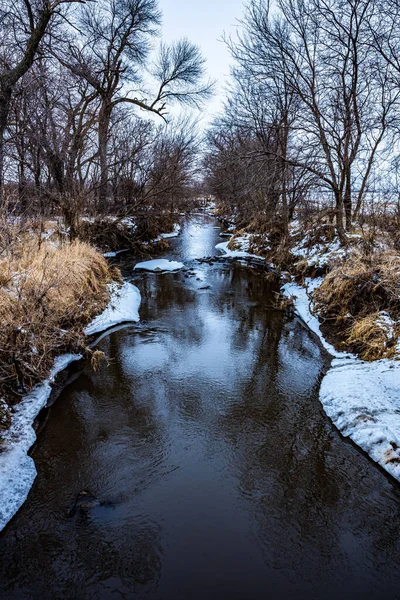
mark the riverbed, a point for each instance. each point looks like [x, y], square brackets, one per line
[217, 473]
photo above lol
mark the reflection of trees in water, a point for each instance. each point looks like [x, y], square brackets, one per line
[236, 292]
[301, 482]
[98, 438]
[163, 291]
[245, 296]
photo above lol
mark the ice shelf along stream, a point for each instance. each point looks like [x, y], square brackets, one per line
[211, 469]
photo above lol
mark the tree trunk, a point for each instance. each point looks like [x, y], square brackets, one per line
[347, 201]
[5, 103]
[285, 211]
[22, 185]
[339, 217]
[69, 217]
[104, 126]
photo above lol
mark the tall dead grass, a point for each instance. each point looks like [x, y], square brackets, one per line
[47, 295]
[360, 300]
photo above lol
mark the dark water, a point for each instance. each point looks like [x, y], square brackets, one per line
[219, 473]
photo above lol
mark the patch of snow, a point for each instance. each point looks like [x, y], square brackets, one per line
[160, 265]
[114, 254]
[223, 247]
[301, 300]
[48, 233]
[123, 308]
[387, 323]
[129, 222]
[361, 398]
[165, 236]
[17, 469]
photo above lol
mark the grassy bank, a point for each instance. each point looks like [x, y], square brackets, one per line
[48, 294]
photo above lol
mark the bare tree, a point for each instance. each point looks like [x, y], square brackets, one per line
[319, 51]
[22, 26]
[112, 57]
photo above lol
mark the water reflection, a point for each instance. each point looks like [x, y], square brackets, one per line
[219, 474]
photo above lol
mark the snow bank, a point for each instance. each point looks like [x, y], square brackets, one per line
[320, 254]
[17, 469]
[160, 264]
[123, 308]
[361, 398]
[164, 236]
[302, 302]
[363, 401]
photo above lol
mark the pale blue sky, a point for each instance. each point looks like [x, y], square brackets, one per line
[204, 23]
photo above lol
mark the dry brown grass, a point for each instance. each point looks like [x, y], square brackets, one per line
[353, 296]
[47, 296]
[372, 337]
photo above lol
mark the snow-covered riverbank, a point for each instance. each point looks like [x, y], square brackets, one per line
[362, 398]
[17, 468]
[123, 308]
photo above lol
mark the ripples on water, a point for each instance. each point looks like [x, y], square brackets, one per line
[219, 474]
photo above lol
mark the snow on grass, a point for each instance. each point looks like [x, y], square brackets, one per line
[320, 254]
[123, 308]
[17, 469]
[387, 323]
[361, 398]
[160, 265]
[243, 244]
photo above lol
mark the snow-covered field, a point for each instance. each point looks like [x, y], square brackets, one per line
[17, 469]
[362, 398]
